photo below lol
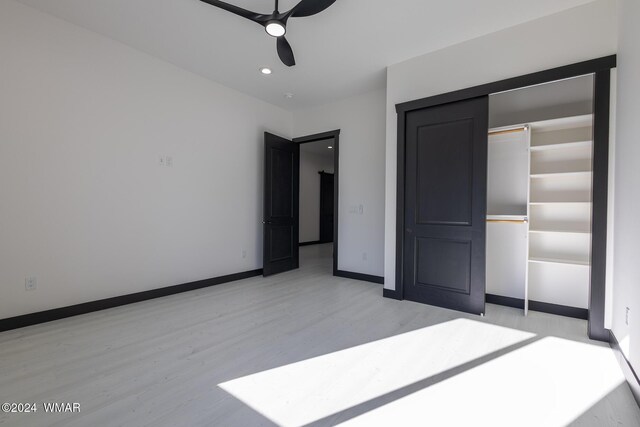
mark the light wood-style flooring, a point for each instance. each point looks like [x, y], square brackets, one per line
[305, 348]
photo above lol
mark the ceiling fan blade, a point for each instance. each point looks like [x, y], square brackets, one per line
[253, 16]
[285, 52]
[310, 7]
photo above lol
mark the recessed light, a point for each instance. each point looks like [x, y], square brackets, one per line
[330, 147]
[266, 71]
[288, 95]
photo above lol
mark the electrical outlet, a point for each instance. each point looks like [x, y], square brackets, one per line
[626, 316]
[31, 284]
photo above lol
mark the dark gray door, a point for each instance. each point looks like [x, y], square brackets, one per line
[445, 205]
[281, 193]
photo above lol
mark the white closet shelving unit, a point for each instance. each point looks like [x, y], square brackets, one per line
[507, 211]
[539, 211]
[560, 211]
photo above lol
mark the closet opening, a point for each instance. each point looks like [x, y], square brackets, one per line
[535, 148]
[539, 197]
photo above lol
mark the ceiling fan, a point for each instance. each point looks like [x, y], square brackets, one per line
[275, 24]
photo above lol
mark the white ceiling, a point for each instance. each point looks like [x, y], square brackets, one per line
[341, 52]
[318, 147]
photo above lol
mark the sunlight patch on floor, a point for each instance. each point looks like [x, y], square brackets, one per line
[310, 390]
[550, 382]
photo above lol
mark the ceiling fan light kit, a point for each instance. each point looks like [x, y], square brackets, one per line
[275, 29]
[275, 24]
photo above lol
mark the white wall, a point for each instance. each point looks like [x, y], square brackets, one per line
[361, 120]
[310, 164]
[578, 34]
[626, 290]
[84, 204]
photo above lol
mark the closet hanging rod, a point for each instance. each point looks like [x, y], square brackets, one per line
[506, 131]
[511, 221]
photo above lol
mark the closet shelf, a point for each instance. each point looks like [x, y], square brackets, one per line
[561, 174]
[559, 231]
[559, 261]
[559, 203]
[564, 145]
[562, 123]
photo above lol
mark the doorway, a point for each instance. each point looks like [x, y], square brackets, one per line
[318, 213]
[316, 192]
[300, 199]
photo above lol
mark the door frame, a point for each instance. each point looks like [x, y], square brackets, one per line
[600, 68]
[335, 134]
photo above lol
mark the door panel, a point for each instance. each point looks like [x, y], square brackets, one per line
[443, 263]
[445, 205]
[281, 243]
[445, 201]
[282, 163]
[281, 187]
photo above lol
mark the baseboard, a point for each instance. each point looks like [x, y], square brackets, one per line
[560, 310]
[360, 276]
[103, 304]
[629, 372]
[544, 307]
[391, 293]
[506, 301]
[315, 242]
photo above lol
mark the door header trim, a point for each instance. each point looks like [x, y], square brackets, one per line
[560, 73]
[317, 137]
